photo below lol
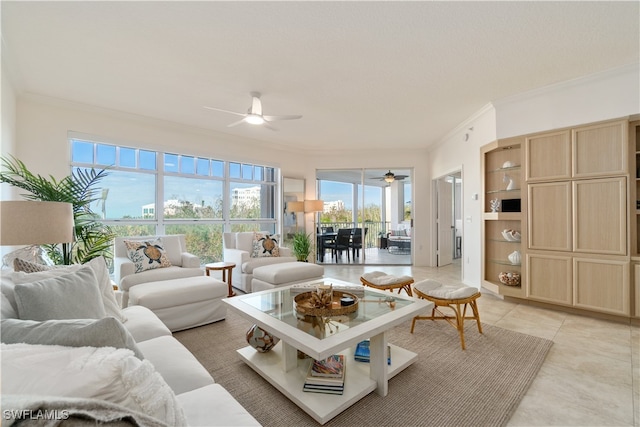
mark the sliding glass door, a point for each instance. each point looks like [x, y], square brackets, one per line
[373, 206]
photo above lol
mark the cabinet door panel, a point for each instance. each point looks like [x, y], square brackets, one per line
[549, 209]
[548, 156]
[600, 216]
[549, 278]
[590, 143]
[636, 285]
[601, 285]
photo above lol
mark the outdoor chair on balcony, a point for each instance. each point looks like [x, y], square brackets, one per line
[356, 241]
[341, 243]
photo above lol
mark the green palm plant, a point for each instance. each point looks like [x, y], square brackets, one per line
[92, 237]
[302, 246]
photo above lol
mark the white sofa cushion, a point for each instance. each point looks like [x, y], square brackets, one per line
[107, 332]
[170, 293]
[212, 405]
[70, 296]
[114, 375]
[277, 274]
[143, 324]
[179, 368]
[158, 274]
[249, 266]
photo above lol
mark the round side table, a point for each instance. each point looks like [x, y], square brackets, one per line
[227, 270]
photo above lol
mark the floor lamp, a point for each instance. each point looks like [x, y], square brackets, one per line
[25, 222]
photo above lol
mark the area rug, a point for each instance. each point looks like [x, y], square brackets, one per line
[446, 386]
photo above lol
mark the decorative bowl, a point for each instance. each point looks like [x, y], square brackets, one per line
[511, 235]
[507, 164]
[509, 279]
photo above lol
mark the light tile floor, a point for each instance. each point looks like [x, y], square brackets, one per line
[591, 376]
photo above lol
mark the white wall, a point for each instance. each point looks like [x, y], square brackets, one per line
[44, 124]
[452, 154]
[8, 134]
[607, 95]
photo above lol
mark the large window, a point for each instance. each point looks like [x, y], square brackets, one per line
[149, 192]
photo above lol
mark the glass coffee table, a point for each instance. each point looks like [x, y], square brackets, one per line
[319, 338]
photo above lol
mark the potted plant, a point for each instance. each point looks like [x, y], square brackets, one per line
[93, 238]
[302, 246]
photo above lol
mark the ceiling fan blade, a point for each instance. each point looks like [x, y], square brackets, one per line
[224, 111]
[256, 104]
[235, 123]
[275, 118]
[268, 126]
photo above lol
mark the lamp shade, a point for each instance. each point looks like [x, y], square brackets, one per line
[295, 206]
[313, 205]
[35, 223]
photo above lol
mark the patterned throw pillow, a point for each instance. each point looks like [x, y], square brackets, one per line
[147, 255]
[265, 245]
[29, 267]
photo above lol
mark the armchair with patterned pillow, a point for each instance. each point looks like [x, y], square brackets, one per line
[249, 250]
[144, 259]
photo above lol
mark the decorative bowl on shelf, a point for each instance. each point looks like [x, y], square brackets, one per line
[511, 235]
[509, 279]
[508, 164]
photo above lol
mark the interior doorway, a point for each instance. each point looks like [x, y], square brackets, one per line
[448, 221]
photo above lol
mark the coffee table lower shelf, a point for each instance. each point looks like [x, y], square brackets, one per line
[321, 407]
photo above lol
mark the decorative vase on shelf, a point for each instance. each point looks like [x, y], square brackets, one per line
[260, 339]
[510, 184]
[494, 204]
[514, 258]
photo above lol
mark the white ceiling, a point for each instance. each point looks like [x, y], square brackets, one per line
[363, 74]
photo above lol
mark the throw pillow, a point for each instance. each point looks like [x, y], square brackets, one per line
[99, 267]
[28, 266]
[71, 296]
[114, 375]
[147, 255]
[7, 311]
[107, 332]
[265, 245]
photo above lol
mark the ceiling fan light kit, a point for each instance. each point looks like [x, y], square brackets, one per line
[254, 115]
[389, 177]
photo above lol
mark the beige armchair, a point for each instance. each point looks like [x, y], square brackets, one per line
[183, 264]
[237, 248]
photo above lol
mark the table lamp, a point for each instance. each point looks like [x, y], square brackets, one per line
[25, 222]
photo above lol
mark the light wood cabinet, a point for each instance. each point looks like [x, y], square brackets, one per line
[576, 194]
[549, 278]
[549, 216]
[548, 156]
[600, 216]
[600, 149]
[601, 285]
[636, 285]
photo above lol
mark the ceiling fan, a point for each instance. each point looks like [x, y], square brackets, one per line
[390, 177]
[254, 115]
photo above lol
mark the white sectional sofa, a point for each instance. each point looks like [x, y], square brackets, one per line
[238, 247]
[67, 348]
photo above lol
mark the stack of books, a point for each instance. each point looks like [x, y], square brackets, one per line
[326, 376]
[362, 353]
